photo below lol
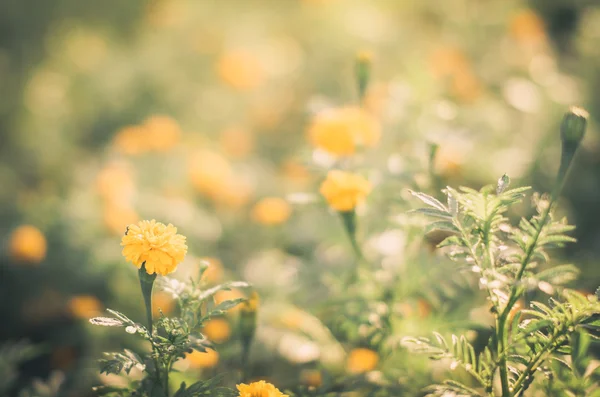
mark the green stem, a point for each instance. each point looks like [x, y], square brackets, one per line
[349, 219]
[533, 365]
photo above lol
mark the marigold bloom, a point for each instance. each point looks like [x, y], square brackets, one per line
[161, 132]
[207, 359]
[339, 131]
[344, 190]
[27, 244]
[271, 211]
[84, 306]
[156, 244]
[362, 360]
[217, 330]
[259, 389]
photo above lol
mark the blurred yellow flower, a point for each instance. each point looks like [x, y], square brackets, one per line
[296, 172]
[236, 142]
[217, 330]
[156, 244]
[115, 184]
[339, 131]
[362, 360]
[27, 244]
[344, 190]
[157, 133]
[240, 69]
[271, 211]
[214, 273]
[197, 359]
[527, 27]
[84, 306]
[451, 64]
[259, 389]
[162, 302]
[161, 133]
[312, 377]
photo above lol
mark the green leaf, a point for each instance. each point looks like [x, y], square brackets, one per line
[222, 287]
[441, 225]
[435, 213]
[559, 275]
[431, 201]
[106, 322]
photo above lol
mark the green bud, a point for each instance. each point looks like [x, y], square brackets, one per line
[363, 72]
[573, 125]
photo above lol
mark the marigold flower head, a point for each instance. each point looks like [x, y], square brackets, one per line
[344, 190]
[27, 244]
[362, 360]
[271, 211]
[339, 131]
[259, 389]
[156, 244]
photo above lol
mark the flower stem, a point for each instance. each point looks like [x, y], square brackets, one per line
[349, 220]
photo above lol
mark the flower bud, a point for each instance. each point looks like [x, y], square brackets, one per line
[572, 128]
[363, 71]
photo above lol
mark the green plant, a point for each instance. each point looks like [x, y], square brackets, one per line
[508, 261]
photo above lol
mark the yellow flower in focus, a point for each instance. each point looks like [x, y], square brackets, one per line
[156, 244]
[27, 244]
[217, 330]
[214, 273]
[271, 211]
[236, 142]
[259, 389]
[84, 306]
[241, 70]
[344, 190]
[362, 360]
[162, 302]
[197, 359]
[339, 131]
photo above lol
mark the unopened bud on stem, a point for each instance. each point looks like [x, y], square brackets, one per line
[572, 130]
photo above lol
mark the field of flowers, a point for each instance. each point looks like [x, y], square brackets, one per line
[272, 198]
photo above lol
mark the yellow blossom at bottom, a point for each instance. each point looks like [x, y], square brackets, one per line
[207, 359]
[259, 389]
[362, 360]
[344, 190]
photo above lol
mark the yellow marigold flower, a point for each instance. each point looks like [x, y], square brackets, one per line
[27, 244]
[161, 132]
[271, 211]
[344, 190]
[339, 131]
[197, 359]
[362, 360]
[217, 330]
[84, 306]
[156, 244]
[241, 69]
[259, 389]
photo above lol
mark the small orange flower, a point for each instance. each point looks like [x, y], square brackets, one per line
[344, 190]
[207, 359]
[339, 131]
[85, 306]
[161, 133]
[259, 389]
[155, 244]
[271, 211]
[362, 360]
[217, 330]
[27, 244]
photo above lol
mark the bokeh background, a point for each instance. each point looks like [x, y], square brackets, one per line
[196, 113]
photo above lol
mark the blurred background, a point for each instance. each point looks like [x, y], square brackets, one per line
[196, 113]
